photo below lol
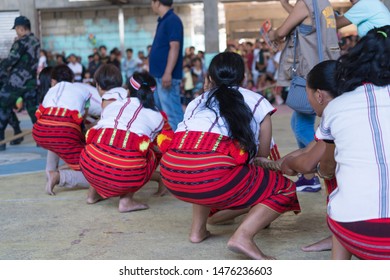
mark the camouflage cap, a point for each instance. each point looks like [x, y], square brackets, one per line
[23, 21]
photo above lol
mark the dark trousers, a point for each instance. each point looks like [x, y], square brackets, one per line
[8, 99]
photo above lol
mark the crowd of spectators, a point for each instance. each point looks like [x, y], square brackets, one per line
[261, 66]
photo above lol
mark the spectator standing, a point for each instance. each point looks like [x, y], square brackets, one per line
[94, 64]
[42, 62]
[130, 64]
[103, 54]
[76, 68]
[302, 18]
[19, 72]
[365, 14]
[115, 58]
[166, 61]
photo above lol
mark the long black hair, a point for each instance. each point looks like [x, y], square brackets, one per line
[44, 82]
[144, 89]
[227, 72]
[367, 62]
[323, 77]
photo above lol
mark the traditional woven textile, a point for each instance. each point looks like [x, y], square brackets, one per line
[365, 239]
[116, 162]
[209, 169]
[58, 130]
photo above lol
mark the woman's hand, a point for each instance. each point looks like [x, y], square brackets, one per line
[286, 169]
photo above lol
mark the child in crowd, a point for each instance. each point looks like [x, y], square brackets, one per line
[59, 126]
[87, 78]
[251, 85]
[119, 159]
[209, 160]
[357, 122]
[188, 85]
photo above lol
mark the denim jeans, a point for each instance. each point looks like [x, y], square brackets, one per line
[168, 100]
[303, 127]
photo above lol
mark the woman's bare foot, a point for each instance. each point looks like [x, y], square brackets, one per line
[322, 245]
[248, 248]
[93, 196]
[52, 180]
[128, 204]
[197, 237]
[162, 190]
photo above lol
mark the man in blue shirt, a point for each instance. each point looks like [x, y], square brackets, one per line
[166, 61]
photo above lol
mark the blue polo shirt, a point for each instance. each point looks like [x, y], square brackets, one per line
[169, 28]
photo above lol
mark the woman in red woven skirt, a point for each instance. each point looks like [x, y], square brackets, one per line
[119, 158]
[208, 161]
[59, 126]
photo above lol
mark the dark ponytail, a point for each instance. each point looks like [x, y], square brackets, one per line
[44, 82]
[143, 90]
[367, 62]
[227, 73]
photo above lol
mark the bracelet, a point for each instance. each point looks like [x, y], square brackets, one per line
[323, 176]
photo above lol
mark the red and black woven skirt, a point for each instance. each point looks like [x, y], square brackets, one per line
[59, 131]
[369, 240]
[212, 177]
[116, 162]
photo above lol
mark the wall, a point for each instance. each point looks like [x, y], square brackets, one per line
[70, 30]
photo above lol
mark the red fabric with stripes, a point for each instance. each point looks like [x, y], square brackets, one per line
[331, 185]
[274, 155]
[113, 170]
[368, 240]
[165, 128]
[61, 135]
[214, 179]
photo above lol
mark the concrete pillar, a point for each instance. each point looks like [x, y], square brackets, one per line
[211, 26]
[27, 9]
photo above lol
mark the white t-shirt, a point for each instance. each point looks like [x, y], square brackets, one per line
[42, 63]
[77, 69]
[199, 118]
[130, 66]
[67, 95]
[130, 115]
[367, 14]
[277, 60]
[118, 93]
[95, 105]
[359, 124]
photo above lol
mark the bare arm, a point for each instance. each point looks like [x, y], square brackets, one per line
[265, 137]
[307, 161]
[342, 21]
[172, 59]
[276, 165]
[287, 6]
[298, 14]
[328, 163]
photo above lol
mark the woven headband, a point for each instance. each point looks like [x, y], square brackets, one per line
[137, 85]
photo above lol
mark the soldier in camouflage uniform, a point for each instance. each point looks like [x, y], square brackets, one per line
[18, 73]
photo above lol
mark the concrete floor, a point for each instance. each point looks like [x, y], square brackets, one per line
[35, 226]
